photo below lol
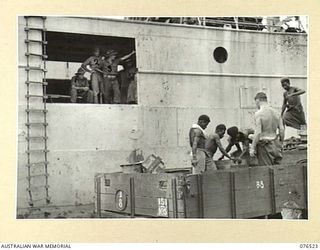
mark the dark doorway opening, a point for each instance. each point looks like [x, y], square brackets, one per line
[76, 48]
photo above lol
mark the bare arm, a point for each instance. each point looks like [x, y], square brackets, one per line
[281, 130]
[257, 134]
[195, 142]
[126, 56]
[298, 92]
[245, 148]
[238, 147]
[195, 146]
[228, 148]
[85, 64]
[222, 150]
[284, 105]
[246, 142]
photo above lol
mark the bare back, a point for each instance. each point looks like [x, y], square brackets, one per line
[267, 123]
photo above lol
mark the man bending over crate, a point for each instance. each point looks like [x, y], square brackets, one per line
[267, 144]
[213, 143]
[236, 137]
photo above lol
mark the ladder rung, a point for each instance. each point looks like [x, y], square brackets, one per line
[37, 163]
[35, 68]
[36, 111]
[34, 28]
[35, 82]
[37, 151]
[37, 96]
[37, 123]
[35, 54]
[36, 175]
[35, 41]
[37, 187]
[37, 137]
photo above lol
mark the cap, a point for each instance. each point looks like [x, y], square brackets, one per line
[111, 52]
[80, 71]
[261, 95]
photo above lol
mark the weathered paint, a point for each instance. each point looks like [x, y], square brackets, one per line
[85, 139]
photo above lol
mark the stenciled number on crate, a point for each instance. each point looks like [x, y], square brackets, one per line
[162, 207]
[259, 184]
[121, 200]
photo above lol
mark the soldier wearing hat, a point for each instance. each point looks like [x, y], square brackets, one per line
[80, 87]
[109, 66]
[92, 65]
[292, 111]
[267, 144]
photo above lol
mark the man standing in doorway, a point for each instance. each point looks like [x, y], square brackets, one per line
[292, 110]
[197, 140]
[94, 63]
[110, 78]
[267, 144]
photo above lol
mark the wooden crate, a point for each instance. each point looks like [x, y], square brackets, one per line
[145, 194]
[231, 193]
[245, 192]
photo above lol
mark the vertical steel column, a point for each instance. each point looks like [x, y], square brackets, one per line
[272, 191]
[174, 197]
[98, 188]
[132, 198]
[200, 196]
[233, 195]
[305, 178]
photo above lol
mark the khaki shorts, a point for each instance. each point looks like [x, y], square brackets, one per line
[204, 163]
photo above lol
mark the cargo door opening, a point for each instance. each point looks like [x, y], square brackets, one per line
[66, 53]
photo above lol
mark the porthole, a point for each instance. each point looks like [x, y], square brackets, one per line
[220, 54]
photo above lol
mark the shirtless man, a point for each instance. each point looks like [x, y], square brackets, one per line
[197, 138]
[292, 110]
[235, 138]
[213, 143]
[267, 144]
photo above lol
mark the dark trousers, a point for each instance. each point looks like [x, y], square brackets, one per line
[96, 82]
[111, 90]
[269, 152]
